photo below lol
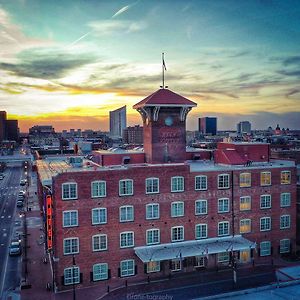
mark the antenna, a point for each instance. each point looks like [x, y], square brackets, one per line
[163, 70]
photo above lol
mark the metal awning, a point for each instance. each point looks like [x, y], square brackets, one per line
[193, 248]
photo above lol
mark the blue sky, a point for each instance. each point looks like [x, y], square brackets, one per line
[68, 63]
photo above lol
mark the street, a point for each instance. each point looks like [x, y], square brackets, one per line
[10, 228]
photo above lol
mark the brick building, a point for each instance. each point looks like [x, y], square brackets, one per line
[133, 135]
[130, 216]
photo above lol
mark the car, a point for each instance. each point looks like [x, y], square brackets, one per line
[1, 176]
[19, 203]
[15, 248]
[23, 182]
[22, 192]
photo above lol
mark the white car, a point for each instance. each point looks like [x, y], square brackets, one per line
[15, 248]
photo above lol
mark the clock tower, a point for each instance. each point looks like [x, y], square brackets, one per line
[164, 114]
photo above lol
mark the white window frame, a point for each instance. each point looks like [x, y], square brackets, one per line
[223, 223]
[177, 209]
[150, 181]
[68, 280]
[200, 185]
[67, 216]
[127, 208]
[151, 235]
[175, 186]
[177, 228]
[126, 233]
[98, 211]
[223, 257]
[99, 189]
[125, 272]
[98, 276]
[285, 246]
[264, 219]
[285, 221]
[264, 183]
[264, 200]
[221, 207]
[245, 179]
[244, 198]
[99, 238]
[197, 230]
[284, 200]
[153, 266]
[69, 184]
[125, 193]
[71, 239]
[203, 210]
[151, 207]
[247, 226]
[223, 178]
[199, 261]
[265, 248]
[176, 265]
[284, 180]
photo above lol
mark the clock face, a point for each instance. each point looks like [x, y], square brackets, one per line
[169, 121]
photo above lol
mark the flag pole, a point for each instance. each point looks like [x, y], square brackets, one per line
[163, 71]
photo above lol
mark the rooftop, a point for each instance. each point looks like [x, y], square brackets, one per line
[165, 97]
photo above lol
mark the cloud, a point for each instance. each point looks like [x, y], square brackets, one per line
[292, 60]
[124, 8]
[290, 73]
[46, 63]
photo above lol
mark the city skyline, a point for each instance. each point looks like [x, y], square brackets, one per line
[68, 64]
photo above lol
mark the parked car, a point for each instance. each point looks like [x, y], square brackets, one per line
[19, 203]
[22, 192]
[15, 248]
[23, 182]
[1, 176]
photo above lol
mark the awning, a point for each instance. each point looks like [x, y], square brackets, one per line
[193, 248]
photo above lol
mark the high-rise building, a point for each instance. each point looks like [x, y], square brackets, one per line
[243, 127]
[208, 125]
[133, 135]
[117, 122]
[12, 130]
[2, 125]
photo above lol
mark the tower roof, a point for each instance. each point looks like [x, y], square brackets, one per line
[165, 97]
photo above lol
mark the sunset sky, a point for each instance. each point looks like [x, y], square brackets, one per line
[68, 63]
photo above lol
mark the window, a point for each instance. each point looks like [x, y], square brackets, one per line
[100, 272]
[201, 207]
[245, 179]
[201, 183]
[70, 218]
[153, 266]
[245, 225]
[223, 181]
[152, 185]
[152, 211]
[127, 268]
[126, 239]
[177, 209]
[265, 178]
[265, 248]
[99, 242]
[175, 265]
[201, 231]
[152, 236]
[265, 224]
[177, 184]
[285, 177]
[223, 205]
[285, 246]
[265, 201]
[126, 213]
[245, 203]
[126, 187]
[71, 246]
[285, 199]
[285, 221]
[177, 233]
[98, 189]
[71, 275]
[199, 261]
[223, 257]
[99, 216]
[223, 228]
[69, 191]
